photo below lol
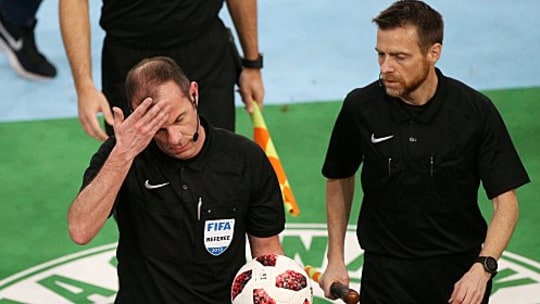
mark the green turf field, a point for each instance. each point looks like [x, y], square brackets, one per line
[42, 164]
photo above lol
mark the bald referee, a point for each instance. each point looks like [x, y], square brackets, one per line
[425, 142]
[183, 193]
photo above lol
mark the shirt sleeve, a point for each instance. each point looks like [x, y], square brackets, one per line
[97, 161]
[500, 167]
[266, 213]
[344, 154]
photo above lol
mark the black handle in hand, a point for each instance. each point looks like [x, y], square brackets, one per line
[343, 292]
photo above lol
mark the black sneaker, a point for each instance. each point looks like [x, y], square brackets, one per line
[23, 54]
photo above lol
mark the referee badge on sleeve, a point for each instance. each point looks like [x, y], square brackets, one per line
[218, 235]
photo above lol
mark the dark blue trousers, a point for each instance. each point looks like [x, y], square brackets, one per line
[19, 13]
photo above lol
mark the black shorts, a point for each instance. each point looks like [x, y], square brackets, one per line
[388, 280]
[211, 60]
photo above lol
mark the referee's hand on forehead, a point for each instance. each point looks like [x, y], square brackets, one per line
[134, 133]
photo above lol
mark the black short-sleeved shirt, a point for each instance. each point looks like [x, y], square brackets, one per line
[158, 23]
[183, 224]
[422, 167]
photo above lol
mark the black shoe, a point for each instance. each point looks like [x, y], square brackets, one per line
[23, 54]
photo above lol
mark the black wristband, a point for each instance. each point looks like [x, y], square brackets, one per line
[489, 263]
[253, 64]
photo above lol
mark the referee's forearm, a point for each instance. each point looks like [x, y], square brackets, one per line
[339, 193]
[92, 207]
[502, 225]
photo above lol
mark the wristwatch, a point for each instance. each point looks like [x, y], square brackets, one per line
[489, 263]
[253, 64]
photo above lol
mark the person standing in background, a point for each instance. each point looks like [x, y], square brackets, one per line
[17, 28]
[190, 32]
[425, 141]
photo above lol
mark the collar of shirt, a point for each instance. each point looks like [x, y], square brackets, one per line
[400, 114]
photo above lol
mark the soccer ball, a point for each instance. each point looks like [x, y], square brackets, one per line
[271, 279]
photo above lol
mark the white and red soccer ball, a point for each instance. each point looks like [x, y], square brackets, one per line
[272, 279]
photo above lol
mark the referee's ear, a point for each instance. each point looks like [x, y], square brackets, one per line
[434, 53]
[194, 92]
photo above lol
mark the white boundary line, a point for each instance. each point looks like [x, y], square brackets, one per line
[60, 260]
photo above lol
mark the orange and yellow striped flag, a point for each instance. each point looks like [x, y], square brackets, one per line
[313, 273]
[262, 138]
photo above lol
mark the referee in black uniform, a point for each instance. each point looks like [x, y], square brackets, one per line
[184, 194]
[425, 142]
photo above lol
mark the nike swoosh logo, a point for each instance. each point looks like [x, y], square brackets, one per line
[147, 185]
[15, 44]
[376, 140]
